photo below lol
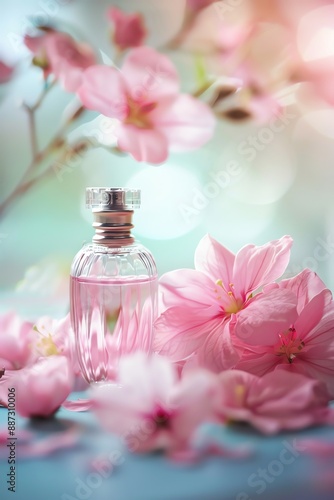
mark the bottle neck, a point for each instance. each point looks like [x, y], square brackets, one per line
[113, 229]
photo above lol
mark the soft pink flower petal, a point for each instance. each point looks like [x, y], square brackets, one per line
[129, 29]
[68, 59]
[195, 397]
[179, 334]
[16, 336]
[149, 75]
[186, 122]
[266, 317]
[43, 387]
[218, 351]
[191, 287]
[258, 363]
[256, 266]
[144, 144]
[93, 95]
[311, 314]
[305, 286]
[276, 401]
[214, 260]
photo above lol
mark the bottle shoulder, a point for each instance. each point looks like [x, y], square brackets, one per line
[97, 260]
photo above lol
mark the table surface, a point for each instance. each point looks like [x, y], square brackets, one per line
[68, 474]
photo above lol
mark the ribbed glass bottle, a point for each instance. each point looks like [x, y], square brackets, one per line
[113, 287]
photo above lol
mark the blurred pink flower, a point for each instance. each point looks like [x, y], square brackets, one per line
[144, 98]
[151, 408]
[129, 29]
[305, 345]
[6, 72]
[199, 304]
[16, 336]
[59, 54]
[43, 386]
[277, 401]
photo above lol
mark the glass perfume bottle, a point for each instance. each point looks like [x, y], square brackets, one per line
[113, 287]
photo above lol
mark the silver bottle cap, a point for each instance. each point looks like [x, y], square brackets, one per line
[104, 199]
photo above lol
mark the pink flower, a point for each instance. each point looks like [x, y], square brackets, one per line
[129, 29]
[304, 345]
[277, 401]
[16, 336]
[152, 116]
[6, 72]
[151, 408]
[59, 54]
[199, 304]
[42, 387]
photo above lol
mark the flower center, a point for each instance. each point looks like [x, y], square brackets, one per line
[230, 303]
[138, 114]
[46, 345]
[289, 345]
[161, 418]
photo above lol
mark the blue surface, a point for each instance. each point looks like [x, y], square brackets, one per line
[154, 477]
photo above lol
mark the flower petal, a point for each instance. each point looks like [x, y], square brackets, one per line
[191, 287]
[103, 90]
[143, 144]
[186, 122]
[266, 317]
[149, 75]
[256, 266]
[305, 285]
[214, 260]
[218, 352]
[178, 335]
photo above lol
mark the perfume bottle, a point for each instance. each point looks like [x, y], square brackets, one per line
[113, 287]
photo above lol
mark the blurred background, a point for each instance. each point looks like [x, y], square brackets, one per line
[256, 180]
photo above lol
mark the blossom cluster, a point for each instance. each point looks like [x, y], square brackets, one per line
[232, 344]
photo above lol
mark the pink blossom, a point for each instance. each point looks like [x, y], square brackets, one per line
[59, 54]
[42, 387]
[16, 336]
[129, 29]
[152, 117]
[151, 408]
[200, 304]
[304, 345]
[279, 400]
[6, 72]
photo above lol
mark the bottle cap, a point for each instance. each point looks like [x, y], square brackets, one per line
[104, 199]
